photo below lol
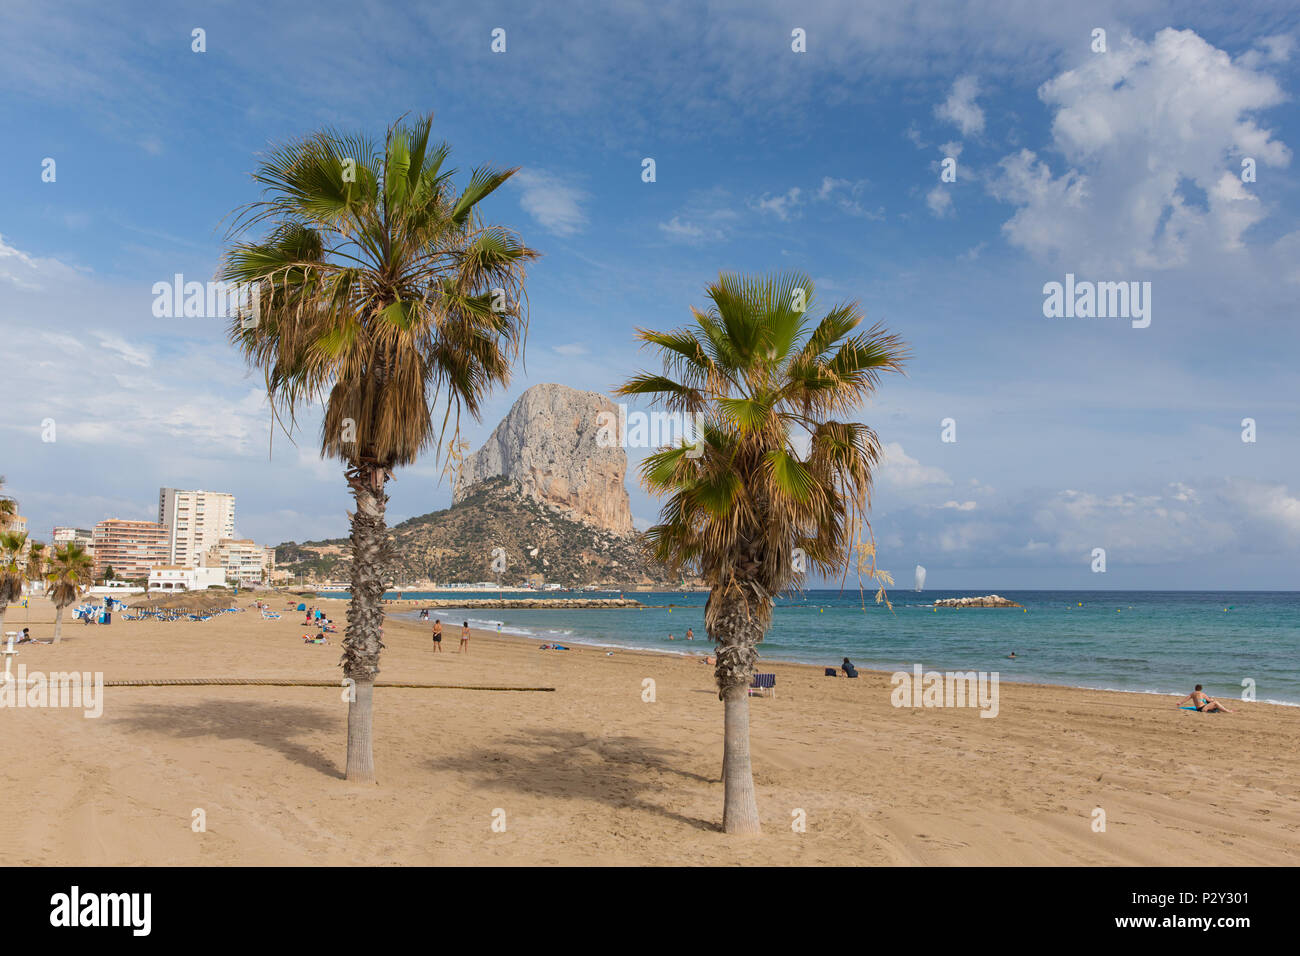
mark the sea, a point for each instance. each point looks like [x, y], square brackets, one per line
[1140, 641]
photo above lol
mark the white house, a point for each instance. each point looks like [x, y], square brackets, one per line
[173, 577]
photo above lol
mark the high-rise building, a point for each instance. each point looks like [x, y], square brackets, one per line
[244, 561]
[195, 521]
[130, 548]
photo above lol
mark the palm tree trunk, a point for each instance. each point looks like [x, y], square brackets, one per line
[58, 623]
[739, 805]
[738, 623]
[363, 642]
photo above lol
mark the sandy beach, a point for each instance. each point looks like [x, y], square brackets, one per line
[593, 774]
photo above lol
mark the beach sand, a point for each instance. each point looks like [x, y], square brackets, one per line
[592, 774]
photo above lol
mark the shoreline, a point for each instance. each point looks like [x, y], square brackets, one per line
[600, 773]
[813, 666]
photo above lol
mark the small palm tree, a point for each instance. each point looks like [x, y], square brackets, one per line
[71, 572]
[36, 561]
[777, 481]
[380, 291]
[8, 507]
[11, 572]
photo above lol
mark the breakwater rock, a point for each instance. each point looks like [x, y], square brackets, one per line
[990, 600]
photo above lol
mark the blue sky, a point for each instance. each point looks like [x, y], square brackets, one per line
[1072, 433]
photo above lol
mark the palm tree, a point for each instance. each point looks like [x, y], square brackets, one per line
[36, 561]
[380, 290]
[71, 571]
[11, 573]
[8, 507]
[776, 482]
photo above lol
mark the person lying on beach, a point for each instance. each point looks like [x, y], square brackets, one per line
[1206, 705]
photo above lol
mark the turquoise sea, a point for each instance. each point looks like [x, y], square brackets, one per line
[1161, 641]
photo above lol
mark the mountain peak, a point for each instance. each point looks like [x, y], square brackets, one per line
[546, 444]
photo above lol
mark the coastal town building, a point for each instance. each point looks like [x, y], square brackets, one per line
[172, 577]
[130, 548]
[244, 561]
[82, 537]
[194, 522]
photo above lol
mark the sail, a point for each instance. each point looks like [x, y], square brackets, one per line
[920, 578]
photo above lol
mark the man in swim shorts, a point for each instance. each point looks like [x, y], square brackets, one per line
[1206, 705]
[437, 636]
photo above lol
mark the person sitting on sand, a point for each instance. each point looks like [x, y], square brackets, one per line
[464, 637]
[1206, 705]
[848, 668]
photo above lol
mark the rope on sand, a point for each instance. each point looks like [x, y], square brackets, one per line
[292, 682]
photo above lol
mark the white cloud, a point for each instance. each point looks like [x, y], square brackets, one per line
[960, 107]
[939, 201]
[901, 470]
[783, 206]
[959, 505]
[846, 194]
[1274, 49]
[28, 272]
[571, 349]
[1153, 134]
[555, 205]
[123, 350]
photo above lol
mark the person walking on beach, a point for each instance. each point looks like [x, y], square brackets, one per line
[437, 636]
[1206, 705]
[464, 637]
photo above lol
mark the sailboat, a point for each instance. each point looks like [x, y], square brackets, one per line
[920, 578]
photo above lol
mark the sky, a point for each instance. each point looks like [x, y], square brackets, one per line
[784, 136]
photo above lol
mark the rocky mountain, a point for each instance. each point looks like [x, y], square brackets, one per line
[494, 533]
[546, 444]
[540, 500]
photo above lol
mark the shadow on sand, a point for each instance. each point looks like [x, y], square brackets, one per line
[272, 725]
[570, 763]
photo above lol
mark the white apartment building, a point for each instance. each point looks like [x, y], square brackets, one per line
[244, 561]
[80, 536]
[194, 522]
[176, 578]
